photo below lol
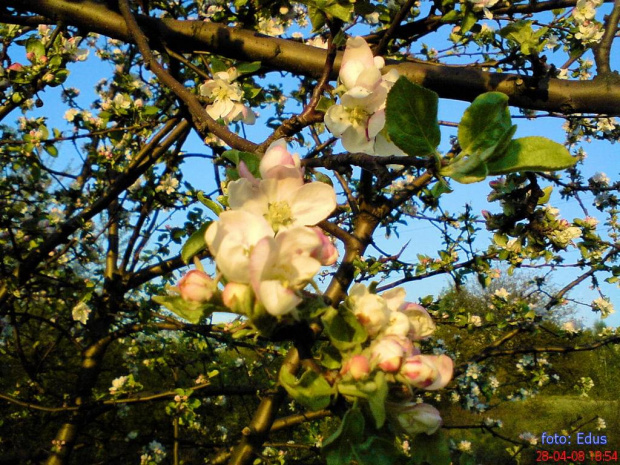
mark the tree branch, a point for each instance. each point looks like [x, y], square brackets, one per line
[454, 82]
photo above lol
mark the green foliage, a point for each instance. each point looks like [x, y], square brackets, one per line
[411, 118]
[487, 149]
[311, 389]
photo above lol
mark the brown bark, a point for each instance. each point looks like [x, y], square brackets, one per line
[600, 96]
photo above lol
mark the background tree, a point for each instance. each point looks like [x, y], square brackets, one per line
[102, 212]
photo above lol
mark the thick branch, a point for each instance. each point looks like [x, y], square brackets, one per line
[455, 82]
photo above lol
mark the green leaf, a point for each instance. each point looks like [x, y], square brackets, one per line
[51, 149]
[432, 450]
[532, 154]
[469, 19]
[311, 390]
[251, 160]
[210, 204]
[530, 42]
[338, 448]
[246, 68]
[317, 18]
[377, 397]
[195, 244]
[451, 16]
[485, 124]
[376, 451]
[411, 118]
[36, 47]
[190, 311]
[343, 329]
[217, 65]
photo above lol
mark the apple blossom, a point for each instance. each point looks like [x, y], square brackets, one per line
[413, 418]
[388, 354]
[370, 309]
[421, 325]
[429, 372]
[231, 239]
[226, 97]
[282, 265]
[196, 286]
[359, 119]
[358, 366]
[284, 203]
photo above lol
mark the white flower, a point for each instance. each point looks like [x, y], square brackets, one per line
[370, 309]
[284, 203]
[226, 96]
[501, 293]
[231, 239]
[421, 325]
[600, 424]
[464, 446]
[282, 265]
[81, 312]
[359, 119]
[167, 184]
[484, 5]
[604, 306]
[118, 383]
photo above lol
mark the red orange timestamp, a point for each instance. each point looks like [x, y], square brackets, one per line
[607, 456]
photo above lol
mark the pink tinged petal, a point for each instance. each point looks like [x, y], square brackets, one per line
[196, 286]
[280, 190]
[326, 253]
[337, 120]
[358, 366]
[313, 203]
[357, 57]
[244, 192]
[376, 124]
[422, 324]
[445, 366]
[398, 326]
[277, 299]
[420, 371]
[278, 163]
[245, 173]
[388, 354]
[262, 260]
[369, 79]
[355, 140]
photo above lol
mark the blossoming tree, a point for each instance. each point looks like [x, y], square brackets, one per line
[136, 303]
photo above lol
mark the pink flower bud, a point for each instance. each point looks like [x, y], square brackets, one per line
[326, 253]
[429, 372]
[17, 67]
[30, 56]
[278, 162]
[358, 366]
[388, 354]
[196, 286]
[412, 418]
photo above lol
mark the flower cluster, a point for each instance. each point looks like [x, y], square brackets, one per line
[589, 31]
[359, 118]
[225, 96]
[265, 247]
[394, 329]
